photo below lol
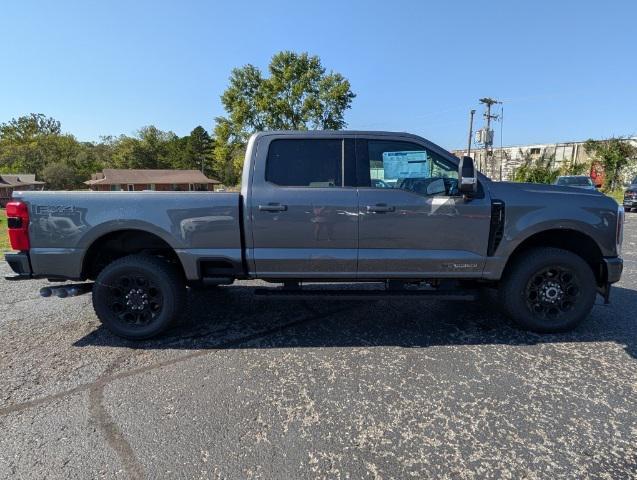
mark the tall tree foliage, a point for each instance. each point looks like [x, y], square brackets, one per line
[60, 176]
[298, 94]
[199, 150]
[28, 127]
[30, 143]
[36, 144]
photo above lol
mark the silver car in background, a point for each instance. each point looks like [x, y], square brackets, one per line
[578, 181]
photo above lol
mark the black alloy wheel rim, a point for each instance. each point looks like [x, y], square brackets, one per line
[552, 292]
[134, 299]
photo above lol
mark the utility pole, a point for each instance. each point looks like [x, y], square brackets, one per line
[471, 114]
[488, 134]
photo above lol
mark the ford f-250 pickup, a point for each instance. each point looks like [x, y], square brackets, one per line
[327, 206]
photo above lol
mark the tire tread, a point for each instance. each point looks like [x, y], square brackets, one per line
[169, 275]
[516, 277]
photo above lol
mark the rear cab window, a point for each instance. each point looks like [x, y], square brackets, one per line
[316, 163]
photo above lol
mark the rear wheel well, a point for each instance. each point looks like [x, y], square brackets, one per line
[576, 242]
[121, 243]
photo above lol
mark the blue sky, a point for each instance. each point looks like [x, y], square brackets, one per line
[566, 70]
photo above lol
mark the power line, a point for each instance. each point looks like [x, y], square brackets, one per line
[501, 144]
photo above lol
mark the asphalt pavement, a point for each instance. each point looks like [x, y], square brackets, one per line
[269, 388]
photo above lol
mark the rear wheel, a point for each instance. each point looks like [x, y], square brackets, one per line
[138, 296]
[548, 290]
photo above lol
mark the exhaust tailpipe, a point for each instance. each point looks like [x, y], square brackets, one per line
[64, 291]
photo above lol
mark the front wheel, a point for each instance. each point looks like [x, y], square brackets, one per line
[548, 290]
[138, 296]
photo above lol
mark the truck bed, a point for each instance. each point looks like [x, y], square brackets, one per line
[197, 225]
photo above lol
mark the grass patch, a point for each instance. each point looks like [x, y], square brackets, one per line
[4, 235]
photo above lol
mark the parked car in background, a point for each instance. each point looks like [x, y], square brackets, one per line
[378, 183]
[630, 196]
[577, 181]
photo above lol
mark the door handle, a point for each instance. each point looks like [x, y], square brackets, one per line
[380, 208]
[273, 207]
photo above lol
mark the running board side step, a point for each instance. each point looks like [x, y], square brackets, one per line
[344, 294]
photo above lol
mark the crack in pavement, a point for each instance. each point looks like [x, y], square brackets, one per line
[110, 377]
[98, 413]
[113, 434]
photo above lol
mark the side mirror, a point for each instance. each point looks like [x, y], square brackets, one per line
[467, 178]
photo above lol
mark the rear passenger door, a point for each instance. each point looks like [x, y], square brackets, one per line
[304, 208]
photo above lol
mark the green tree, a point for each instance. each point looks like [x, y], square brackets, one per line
[36, 144]
[31, 142]
[27, 127]
[298, 94]
[149, 148]
[615, 155]
[227, 149]
[60, 176]
[199, 149]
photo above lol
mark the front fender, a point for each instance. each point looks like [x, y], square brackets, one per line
[531, 209]
[592, 224]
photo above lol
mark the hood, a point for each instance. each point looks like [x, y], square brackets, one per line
[583, 187]
[549, 188]
[540, 193]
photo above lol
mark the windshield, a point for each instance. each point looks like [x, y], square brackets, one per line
[578, 181]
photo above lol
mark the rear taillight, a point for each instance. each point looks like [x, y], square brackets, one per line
[18, 222]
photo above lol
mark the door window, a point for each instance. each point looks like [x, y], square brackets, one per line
[411, 167]
[306, 162]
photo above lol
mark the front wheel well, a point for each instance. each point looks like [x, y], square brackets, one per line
[566, 239]
[121, 243]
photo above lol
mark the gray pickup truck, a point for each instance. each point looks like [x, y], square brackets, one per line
[327, 206]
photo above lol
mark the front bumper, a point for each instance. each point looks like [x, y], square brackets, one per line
[614, 267]
[19, 263]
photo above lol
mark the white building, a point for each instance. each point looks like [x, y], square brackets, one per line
[504, 161]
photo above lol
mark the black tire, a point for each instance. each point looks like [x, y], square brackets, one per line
[139, 296]
[548, 290]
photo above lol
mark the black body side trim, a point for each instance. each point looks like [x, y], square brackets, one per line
[496, 228]
[614, 267]
[19, 263]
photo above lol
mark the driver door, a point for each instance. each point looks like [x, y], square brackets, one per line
[413, 223]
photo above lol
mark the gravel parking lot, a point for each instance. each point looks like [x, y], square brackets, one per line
[248, 388]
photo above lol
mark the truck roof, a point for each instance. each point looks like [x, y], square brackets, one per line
[337, 133]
